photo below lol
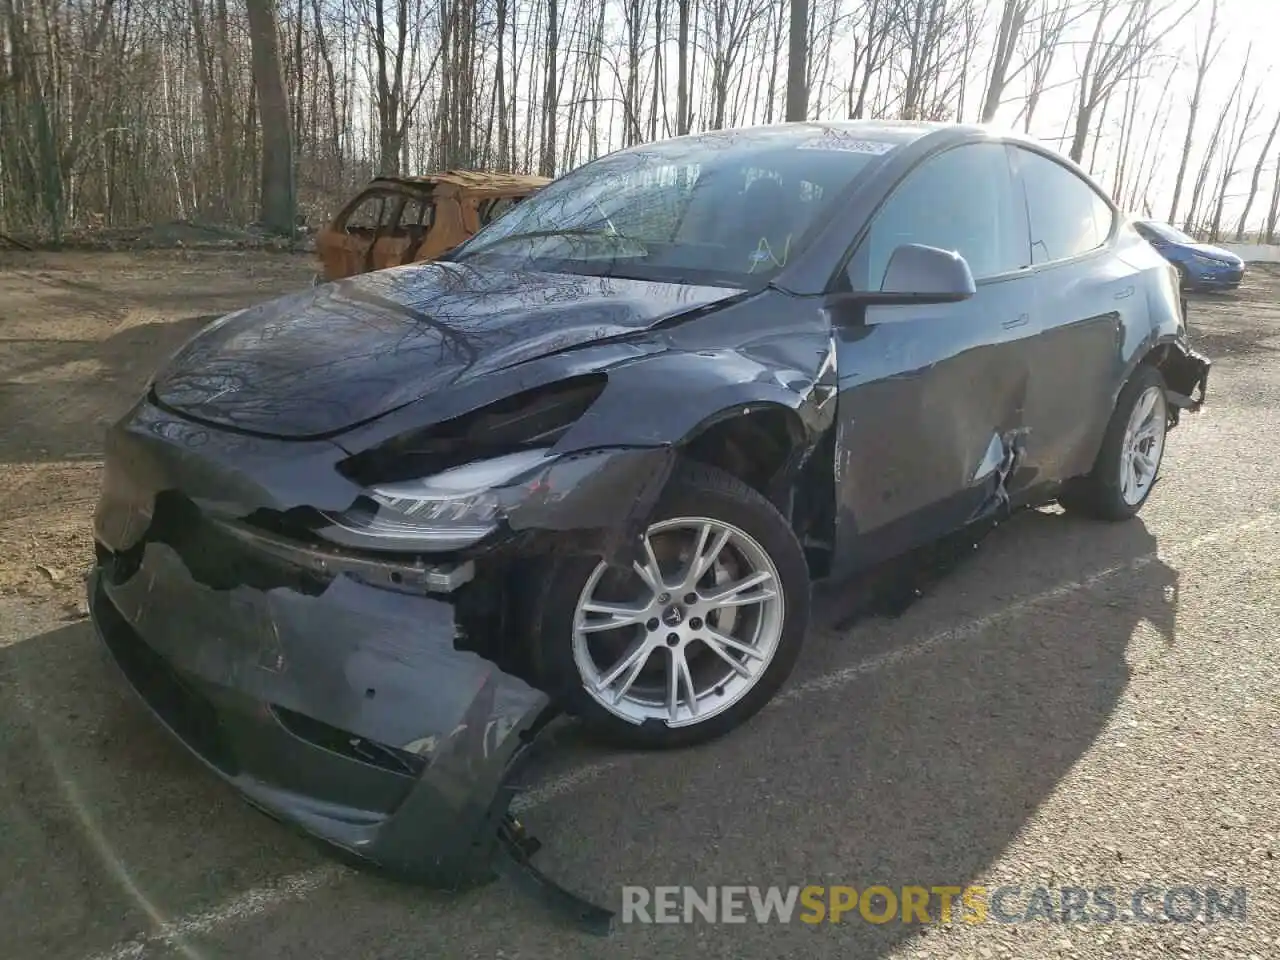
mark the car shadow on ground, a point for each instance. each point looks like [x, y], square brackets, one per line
[76, 348]
[108, 376]
[917, 773]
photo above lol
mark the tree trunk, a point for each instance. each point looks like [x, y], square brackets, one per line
[1257, 175]
[1273, 215]
[547, 164]
[682, 56]
[1011, 19]
[1203, 62]
[277, 198]
[797, 49]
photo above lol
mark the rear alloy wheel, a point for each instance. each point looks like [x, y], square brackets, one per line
[1132, 450]
[697, 635]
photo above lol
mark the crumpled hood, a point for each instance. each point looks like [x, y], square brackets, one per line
[315, 363]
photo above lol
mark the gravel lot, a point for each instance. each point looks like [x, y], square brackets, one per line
[1077, 705]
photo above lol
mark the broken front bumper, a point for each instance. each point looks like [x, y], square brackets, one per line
[337, 692]
[350, 715]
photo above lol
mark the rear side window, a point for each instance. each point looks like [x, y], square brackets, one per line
[417, 213]
[375, 210]
[1067, 216]
[963, 199]
[491, 210]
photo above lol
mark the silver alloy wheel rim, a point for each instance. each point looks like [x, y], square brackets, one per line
[707, 621]
[1143, 446]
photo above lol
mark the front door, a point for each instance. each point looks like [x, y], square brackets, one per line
[345, 248]
[931, 403]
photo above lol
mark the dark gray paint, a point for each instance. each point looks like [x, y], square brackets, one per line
[945, 412]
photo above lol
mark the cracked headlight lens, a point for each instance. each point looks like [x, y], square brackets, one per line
[448, 511]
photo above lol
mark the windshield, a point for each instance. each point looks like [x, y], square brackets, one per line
[731, 207]
[1166, 232]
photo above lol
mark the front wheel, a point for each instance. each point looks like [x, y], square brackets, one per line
[692, 640]
[1132, 449]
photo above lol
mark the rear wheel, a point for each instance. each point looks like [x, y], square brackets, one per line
[1132, 449]
[697, 636]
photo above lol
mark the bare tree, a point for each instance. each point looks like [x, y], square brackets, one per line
[278, 203]
[1239, 132]
[1013, 16]
[547, 163]
[872, 48]
[1210, 154]
[1273, 215]
[797, 55]
[1204, 60]
[126, 112]
[1115, 49]
[1257, 175]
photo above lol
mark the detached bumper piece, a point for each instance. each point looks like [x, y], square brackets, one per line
[519, 848]
[1186, 377]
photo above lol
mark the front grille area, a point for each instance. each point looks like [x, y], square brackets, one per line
[178, 704]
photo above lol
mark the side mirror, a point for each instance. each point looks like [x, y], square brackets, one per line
[920, 274]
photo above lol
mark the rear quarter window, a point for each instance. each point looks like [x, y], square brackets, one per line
[1068, 217]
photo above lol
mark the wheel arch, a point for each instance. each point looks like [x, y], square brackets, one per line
[768, 446]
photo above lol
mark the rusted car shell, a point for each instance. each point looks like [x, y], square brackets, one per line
[460, 203]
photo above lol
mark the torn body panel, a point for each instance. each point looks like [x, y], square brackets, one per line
[1186, 376]
[924, 392]
[343, 693]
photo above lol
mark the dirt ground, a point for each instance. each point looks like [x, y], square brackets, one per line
[80, 333]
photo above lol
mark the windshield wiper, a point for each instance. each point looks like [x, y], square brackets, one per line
[566, 232]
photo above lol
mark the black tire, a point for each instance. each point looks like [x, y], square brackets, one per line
[1097, 495]
[695, 490]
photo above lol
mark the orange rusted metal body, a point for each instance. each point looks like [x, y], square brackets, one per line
[399, 220]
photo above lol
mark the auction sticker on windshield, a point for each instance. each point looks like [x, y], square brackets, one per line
[839, 140]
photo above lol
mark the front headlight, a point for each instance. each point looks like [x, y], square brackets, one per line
[448, 511]
[1207, 261]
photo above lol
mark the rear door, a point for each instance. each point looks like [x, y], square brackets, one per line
[405, 226]
[1087, 299]
[931, 397]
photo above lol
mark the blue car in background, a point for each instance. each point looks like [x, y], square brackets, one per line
[1201, 266]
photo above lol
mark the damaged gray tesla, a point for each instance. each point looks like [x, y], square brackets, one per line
[356, 546]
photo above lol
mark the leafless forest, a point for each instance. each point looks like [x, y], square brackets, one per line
[119, 112]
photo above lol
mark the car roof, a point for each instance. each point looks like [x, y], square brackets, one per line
[897, 132]
[470, 182]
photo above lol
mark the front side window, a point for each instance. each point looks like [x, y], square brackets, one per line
[730, 207]
[1067, 216]
[374, 210]
[962, 200]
